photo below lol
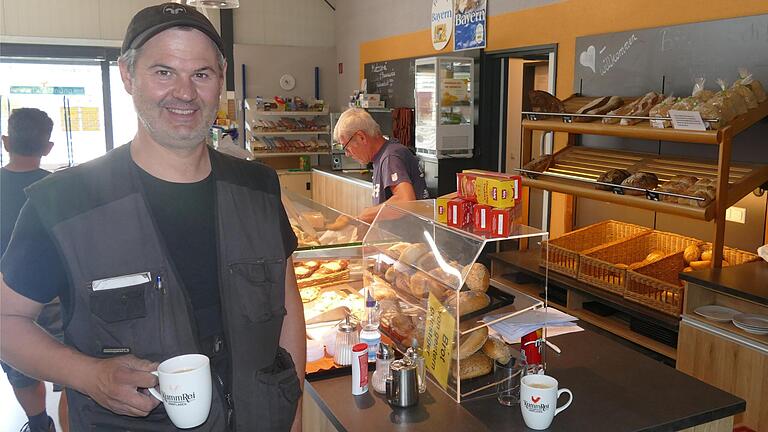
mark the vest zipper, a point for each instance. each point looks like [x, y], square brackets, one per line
[225, 306]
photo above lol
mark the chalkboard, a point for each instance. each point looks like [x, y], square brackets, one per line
[669, 59]
[393, 80]
[635, 62]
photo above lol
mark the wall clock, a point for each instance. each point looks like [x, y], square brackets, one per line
[287, 82]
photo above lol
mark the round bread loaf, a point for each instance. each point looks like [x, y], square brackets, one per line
[478, 277]
[496, 349]
[471, 343]
[470, 301]
[642, 180]
[614, 176]
[427, 262]
[413, 253]
[476, 365]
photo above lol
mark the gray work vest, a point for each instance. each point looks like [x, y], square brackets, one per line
[101, 224]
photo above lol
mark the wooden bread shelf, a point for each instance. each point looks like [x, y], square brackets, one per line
[585, 164]
[733, 182]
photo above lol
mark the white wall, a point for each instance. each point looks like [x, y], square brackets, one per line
[359, 21]
[72, 22]
[284, 22]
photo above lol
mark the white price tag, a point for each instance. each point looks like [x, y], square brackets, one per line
[687, 120]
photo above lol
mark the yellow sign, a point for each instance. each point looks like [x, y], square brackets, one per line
[82, 119]
[438, 340]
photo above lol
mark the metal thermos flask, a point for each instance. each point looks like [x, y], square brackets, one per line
[403, 384]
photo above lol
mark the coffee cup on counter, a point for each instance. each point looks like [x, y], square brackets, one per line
[184, 389]
[538, 400]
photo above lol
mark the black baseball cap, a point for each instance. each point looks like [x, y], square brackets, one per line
[155, 19]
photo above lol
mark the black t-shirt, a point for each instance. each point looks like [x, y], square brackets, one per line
[185, 217]
[12, 184]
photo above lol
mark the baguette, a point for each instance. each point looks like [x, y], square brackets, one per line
[613, 103]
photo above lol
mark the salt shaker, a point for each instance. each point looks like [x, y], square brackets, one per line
[346, 338]
[384, 358]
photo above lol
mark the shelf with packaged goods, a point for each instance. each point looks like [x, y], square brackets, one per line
[282, 133]
[250, 106]
[270, 154]
[731, 181]
[426, 274]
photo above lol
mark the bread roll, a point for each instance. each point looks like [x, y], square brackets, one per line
[471, 343]
[696, 265]
[476, 365]
[643, 180]
[614, 176]
[470, 301]
[691, 253]
[390, 275]
[496, 349]
[339, 223]
[427, 262]
[413, 253]
[396, 249]
[478, 277]
[422, 284]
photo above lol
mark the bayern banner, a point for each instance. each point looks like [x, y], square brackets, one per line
[470, 24]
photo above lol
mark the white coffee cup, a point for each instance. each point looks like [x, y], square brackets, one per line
[538, 400]
[185, 389]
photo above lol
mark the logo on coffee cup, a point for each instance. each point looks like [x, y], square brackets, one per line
[534, 406]
[178, 400]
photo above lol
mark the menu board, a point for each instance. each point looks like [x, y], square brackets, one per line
[393, 80]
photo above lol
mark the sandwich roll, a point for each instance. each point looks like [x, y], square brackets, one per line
[496, 349]
[476, 365]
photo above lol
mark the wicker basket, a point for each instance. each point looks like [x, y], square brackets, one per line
[657, 285]
[733, 256]
[564, 251]
[599, 266]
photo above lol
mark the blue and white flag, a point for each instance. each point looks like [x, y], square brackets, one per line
[470, 24]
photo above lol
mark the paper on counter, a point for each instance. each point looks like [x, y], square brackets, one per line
[551, 332]
[512, 329]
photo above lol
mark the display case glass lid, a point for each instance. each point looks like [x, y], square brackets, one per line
[319, 227]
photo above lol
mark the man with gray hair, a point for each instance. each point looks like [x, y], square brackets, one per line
[397, 175]
[165, 247]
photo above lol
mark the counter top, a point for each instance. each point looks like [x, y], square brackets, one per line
[364, 179]
[615, 389]
[746, 281]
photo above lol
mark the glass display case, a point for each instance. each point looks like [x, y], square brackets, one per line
[444, 107]
[432, 293]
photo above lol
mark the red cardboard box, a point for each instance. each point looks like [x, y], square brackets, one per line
[460, 212]
[501, 222]
[465, 186]
[482, 218]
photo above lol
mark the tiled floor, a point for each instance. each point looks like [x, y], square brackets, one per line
[12, 417]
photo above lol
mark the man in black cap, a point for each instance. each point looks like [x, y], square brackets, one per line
[168, 248]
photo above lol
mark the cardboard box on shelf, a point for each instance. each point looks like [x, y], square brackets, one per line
[495, 192]
[460, 212]
[371, 97]
[441, 207]
[516, 179]
[482, 218]
[371, 104]
[501, 222]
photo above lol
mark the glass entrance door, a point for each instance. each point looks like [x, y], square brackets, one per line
[46, 86]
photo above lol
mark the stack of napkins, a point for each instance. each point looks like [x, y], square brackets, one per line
[512, 329]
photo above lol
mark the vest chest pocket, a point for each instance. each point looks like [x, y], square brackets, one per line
[120, 304]
[259, 287]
